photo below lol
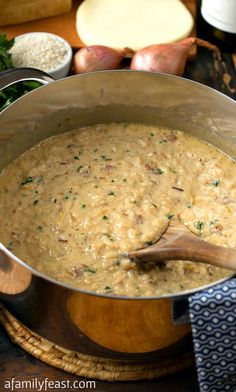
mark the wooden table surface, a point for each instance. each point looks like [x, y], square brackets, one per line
[14, 362]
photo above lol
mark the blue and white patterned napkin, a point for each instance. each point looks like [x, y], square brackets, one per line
[213, 318]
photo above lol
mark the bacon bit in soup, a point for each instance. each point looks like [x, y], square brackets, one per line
[84, 170]
[218, 227]
[108, 167]
[171, 138]
[78, 270]
[139, 219]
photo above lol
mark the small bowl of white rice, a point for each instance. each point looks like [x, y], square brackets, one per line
[45, 51]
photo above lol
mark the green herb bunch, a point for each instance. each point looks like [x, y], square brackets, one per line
[5, 56]
[10, 94]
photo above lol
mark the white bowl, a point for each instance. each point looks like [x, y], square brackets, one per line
[22, 56]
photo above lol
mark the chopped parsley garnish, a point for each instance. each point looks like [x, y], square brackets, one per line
[77, 157]
[66, 197]
[163, 141]
[82, 205]
[108, 236]
[125, 179]
[159, 171]
[177, 189]
[112, 180]
[133, 201]
[189, 205]
[108, 289]
[199, 225]
[170, 216]
[216, 182]
[39, 228]
[10, 245]
[55, 200]
[79, 168]
[149, 243]
[154, 205]
[35, 202]
[28, 180]
[105, 158]
[105, 217]
[111, 193]
[92, 270]
[151, 134]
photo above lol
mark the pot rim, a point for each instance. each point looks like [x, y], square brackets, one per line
[104, 295]
[50, 80]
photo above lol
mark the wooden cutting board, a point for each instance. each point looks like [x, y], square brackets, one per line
[64, 25]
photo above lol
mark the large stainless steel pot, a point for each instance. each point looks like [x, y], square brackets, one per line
[99, 324]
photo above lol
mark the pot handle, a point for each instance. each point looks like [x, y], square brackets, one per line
[15, 75]
[14, 277]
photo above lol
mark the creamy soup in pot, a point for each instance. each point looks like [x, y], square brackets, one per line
[74, 204]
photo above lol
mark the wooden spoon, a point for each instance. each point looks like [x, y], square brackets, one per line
[178, 243]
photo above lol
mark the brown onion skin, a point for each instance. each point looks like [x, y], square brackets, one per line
[165, 58]
[98, 58]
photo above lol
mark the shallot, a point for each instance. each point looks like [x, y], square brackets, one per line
[168, 58]
[98, 58]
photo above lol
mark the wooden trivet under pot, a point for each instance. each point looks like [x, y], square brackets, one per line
[86, 365]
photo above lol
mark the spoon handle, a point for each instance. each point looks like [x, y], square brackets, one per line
[178, 243]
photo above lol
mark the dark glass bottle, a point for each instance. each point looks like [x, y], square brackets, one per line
[216, 22]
